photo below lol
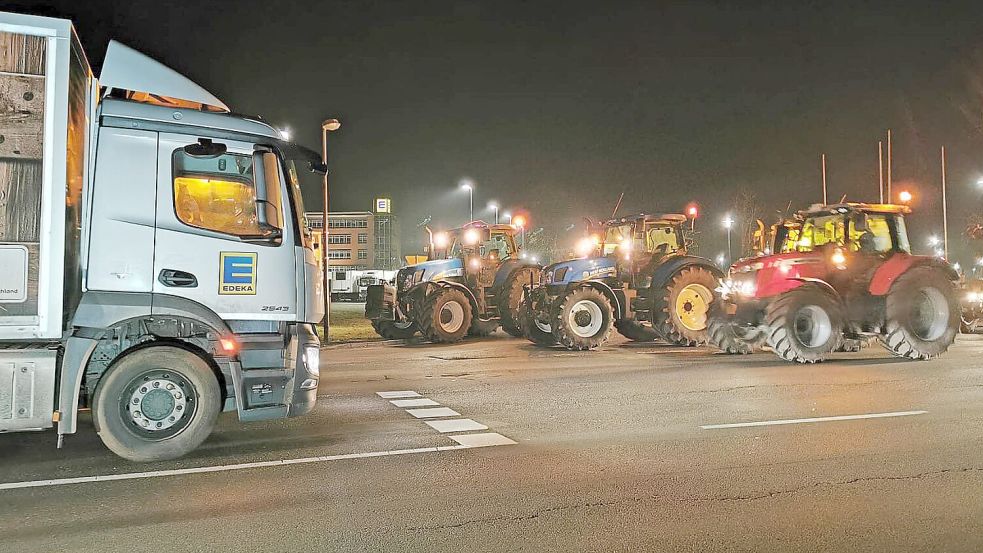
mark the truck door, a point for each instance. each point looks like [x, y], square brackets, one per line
[223, 238]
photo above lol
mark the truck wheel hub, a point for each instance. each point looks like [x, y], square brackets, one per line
[158, 402]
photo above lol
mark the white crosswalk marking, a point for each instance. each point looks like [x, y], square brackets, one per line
[413, 402]
[398, 394]
[455, 425]
[482, 440]
[433, 412]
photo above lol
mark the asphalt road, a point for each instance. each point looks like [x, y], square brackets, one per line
[610, 454]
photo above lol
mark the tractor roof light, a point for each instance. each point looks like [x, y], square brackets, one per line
[586, 246]
[471, 236]
[441, 239]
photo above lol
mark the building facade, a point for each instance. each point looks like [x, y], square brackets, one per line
[360, 240]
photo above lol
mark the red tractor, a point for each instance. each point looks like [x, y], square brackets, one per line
[848, 276]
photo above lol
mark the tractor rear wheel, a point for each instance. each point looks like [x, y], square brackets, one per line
[512, 294]
[805, 324]
[922, 314]
[394, 330]
[445, 316]
[482, 328]
[725, 334]
[582, 319]
[533, 329]
[681, 307]
[635, 331]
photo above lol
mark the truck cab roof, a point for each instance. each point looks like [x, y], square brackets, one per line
[135, 114]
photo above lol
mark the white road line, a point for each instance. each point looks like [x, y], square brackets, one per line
[398, 394]
[481, 440]
[244, 466]
[433, 412]
[413, 402]
[814, 419]
[456, 425]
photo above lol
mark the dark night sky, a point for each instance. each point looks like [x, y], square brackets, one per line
[558, 107]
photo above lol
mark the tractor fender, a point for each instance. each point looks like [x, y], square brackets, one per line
[823, 285]
[608, 292]
[899, 264]
[426, 288]
[507, 268]
[664, 272]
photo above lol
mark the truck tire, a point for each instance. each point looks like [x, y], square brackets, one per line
[635, 331]
[480, 328]
[921, 314]
[392, 330]
[682, 305]
[156, 403]
[582, 319]
[445, 316]
[730, 337]
[535, 330]
[512, 294]
[804, 325]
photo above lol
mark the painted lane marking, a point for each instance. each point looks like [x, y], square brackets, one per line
[813, 419]
[413, 402]
[398, 394]
[434, 412]
[482, 440]
[243, 466]
[456, 425]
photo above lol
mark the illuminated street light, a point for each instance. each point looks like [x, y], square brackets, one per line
[285, 134]
[720, 259]
[494, 206]
[933, 240]
[520, 221]
[508, 216]
[729, 224]
[979, 182]
[468, 184]
[905, 197]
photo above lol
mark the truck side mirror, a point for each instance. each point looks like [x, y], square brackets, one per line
[205, 148]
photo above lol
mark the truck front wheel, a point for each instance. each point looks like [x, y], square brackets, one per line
[156, 403]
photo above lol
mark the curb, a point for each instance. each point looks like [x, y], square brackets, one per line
[360, 344]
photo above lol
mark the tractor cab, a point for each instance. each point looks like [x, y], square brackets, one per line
[781, 237]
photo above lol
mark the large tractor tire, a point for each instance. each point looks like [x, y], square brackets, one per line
[682, 305]
[804, 325]
[921, 315]
[511, 298]
[156, 403]
[582, 319]
[392, 330]
[535, 330]
[480, 328]
[730, 337]
[445, 316]
[635, 331]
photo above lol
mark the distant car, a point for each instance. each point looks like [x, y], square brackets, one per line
[971, 305]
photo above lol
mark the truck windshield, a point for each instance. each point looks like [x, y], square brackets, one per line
[297, 163]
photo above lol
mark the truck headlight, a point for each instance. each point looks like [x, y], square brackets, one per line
[312, 360]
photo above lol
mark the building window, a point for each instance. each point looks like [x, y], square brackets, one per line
[339, 254]
[348, 223]
[363, 254]
[363, 238]
[339, 239]
[218, 193]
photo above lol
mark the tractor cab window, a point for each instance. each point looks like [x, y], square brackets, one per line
[870, 233]
[820, 231]
[786, 238]
[661, 239]
[614, 237]
[498, 248]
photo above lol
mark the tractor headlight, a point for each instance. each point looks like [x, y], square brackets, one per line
[312, 360]
[973, 297]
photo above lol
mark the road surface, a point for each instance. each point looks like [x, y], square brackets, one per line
[633, 448]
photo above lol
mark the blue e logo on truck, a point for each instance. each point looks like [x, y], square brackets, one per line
[237, 274]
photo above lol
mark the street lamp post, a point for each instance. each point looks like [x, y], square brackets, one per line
[728, 224]
[495, 207]
[327, 126]
[469, 186]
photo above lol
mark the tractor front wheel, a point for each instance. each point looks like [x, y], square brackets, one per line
[393, 330]
[680, 313]
[512, 296]
[481, 328]
[805, 324]
[635, 331]
[725, 334]
[445, 316]
[582, 320]
[922, 314]
[534, 329]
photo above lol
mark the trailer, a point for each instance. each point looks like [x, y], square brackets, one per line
[155, 264]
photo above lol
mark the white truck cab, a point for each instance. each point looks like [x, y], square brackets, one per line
[155, 264]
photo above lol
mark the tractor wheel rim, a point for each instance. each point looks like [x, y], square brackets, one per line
[692, 305]
[929, 314]
[451, 317]
[543, 327]
[812, 326]
[585, 318]
[403, 325]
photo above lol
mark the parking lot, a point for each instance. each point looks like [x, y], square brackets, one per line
[635, 447]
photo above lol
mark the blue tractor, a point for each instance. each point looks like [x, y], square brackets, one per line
[633, 275]
[473, 281]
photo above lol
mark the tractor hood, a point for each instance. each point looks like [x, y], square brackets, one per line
[438, 269]
[574, 270]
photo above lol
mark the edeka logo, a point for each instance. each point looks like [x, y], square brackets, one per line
[238, 274]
